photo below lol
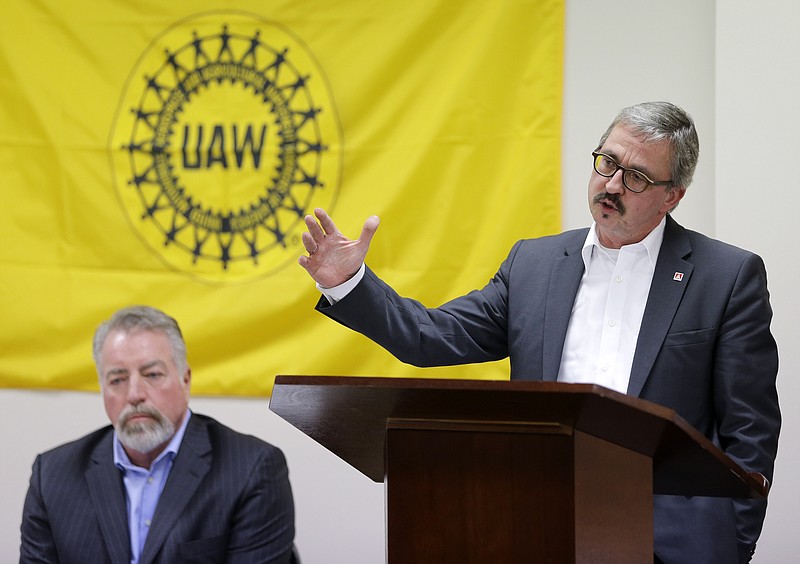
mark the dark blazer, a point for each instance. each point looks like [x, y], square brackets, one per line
[704, 349]
[227, 499]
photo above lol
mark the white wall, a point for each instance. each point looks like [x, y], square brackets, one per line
[659, 51]
[734, 67]
[757, 151]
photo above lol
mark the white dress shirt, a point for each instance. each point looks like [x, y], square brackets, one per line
[336, 293]
[608, 309]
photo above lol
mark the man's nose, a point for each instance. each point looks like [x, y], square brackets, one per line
[614, 185]
[135, 390]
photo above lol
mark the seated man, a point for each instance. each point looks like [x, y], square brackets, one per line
[162, 484]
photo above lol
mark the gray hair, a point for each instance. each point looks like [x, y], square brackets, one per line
[141, 318]
[663, 121]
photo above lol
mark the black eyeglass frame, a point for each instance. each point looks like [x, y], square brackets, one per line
[597, 154]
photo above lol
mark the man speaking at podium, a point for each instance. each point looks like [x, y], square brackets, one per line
[635, 303]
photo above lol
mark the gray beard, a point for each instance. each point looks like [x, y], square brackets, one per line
[144, 437]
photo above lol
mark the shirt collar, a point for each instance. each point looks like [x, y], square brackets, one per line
[651, 243]
[122, 461]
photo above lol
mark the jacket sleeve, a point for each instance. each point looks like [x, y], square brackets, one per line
[37, 545]
[469, 329]
[262, 527]
[746, 398]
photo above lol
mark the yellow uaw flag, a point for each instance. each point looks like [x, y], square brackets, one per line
[165, 153]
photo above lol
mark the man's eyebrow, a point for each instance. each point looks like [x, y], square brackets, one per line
[115, 372]
[641, 169]
[145, 366]
[152, 363]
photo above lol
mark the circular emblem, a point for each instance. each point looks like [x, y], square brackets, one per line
[226, 136]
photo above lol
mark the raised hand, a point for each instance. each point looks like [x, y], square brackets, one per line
[333, 258]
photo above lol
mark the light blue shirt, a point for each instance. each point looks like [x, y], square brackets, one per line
[143, 487]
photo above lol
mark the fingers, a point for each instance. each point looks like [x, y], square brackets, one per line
[320, 226]
[314, 230]
[369, 229]
[309, 243]
[325, 221]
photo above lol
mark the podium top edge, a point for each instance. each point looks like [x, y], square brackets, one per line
[466, 384]
[495, 386]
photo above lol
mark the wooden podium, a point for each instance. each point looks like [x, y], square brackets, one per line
[510, 472]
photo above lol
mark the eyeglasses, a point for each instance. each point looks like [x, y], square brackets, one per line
[632, 179]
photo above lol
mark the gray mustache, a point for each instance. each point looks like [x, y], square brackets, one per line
[139, 410]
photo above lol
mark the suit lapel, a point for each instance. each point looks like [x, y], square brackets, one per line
[670, 279]
[107, 492]
[565, 278]
[191, 464]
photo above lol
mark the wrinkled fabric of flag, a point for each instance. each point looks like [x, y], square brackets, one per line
[166, 153]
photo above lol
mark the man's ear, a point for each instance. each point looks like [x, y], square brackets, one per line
[674, 196]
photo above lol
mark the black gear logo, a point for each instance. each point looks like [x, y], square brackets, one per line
[229, 139]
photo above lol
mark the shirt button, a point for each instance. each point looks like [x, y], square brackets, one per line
[604, 368]
[618, 279]
[150, 480]
[147, 522]
[611, 323]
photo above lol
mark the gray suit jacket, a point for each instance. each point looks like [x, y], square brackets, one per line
[227, 499]
[704, 349]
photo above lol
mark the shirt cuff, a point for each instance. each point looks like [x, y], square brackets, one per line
[339, 292]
